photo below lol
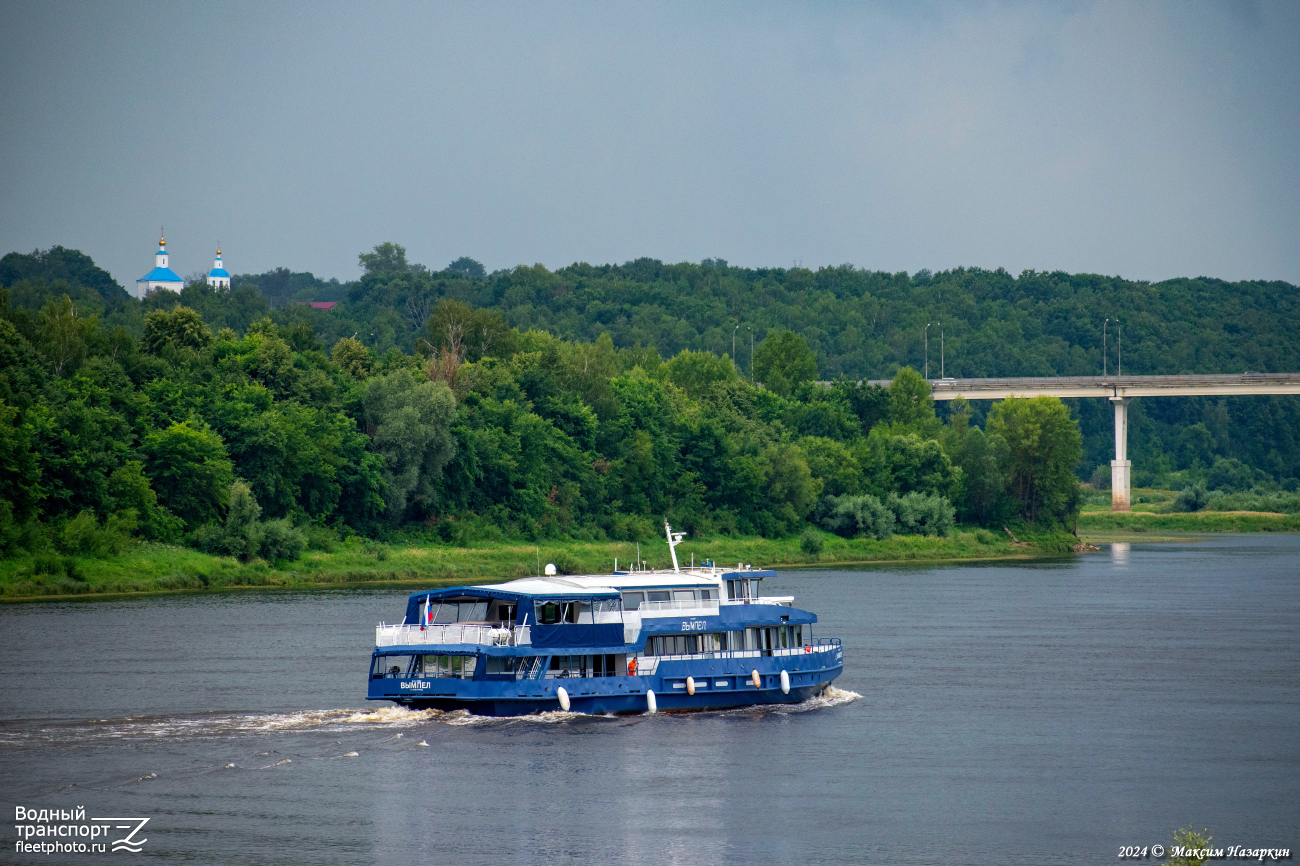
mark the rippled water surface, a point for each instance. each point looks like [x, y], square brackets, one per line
[1009, 713]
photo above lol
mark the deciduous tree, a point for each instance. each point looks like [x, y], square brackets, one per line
[1043, 448]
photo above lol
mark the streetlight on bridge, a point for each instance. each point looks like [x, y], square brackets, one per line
[926, 338]
[941, 375]
[1103, 346]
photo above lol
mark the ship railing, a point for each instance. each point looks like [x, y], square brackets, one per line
[778, 600]
[479, 635]
[667, 608]
[646, 665]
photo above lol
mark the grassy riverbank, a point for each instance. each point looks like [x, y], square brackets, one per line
[151, 568]
[1092, 522]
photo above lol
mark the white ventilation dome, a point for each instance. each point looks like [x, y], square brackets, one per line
[550, 569]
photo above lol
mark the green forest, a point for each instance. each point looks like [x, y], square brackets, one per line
[594, 401]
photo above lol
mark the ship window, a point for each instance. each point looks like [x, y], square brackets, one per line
[632, 600]
[548, 613]
[500, 665]
[605, 666]
[448, 666]
[785, 638]
[446, 612]
[391, 666]
[659, 595]
[683, 595]
[562, 667]
[706, 594]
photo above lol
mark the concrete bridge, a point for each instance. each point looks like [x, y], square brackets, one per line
[1119, 390]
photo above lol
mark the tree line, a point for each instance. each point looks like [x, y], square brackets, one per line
[243, 440]
[867, 325]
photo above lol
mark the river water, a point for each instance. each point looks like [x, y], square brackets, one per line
[1047, 712]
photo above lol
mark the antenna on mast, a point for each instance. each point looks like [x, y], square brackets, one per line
[674, 539]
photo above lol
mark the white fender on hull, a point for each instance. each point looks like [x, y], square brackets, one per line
[564, 698]
[690, 686]
[785, 683]
[753, 678]
[651, 705]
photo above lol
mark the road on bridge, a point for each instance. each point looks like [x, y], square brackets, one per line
[1119, 390]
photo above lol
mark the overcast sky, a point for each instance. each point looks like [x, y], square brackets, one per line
[1149, 140]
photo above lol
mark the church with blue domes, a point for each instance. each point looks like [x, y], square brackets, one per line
[161, 277]
[218, 277]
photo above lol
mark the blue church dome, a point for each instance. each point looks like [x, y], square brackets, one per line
[218, 272]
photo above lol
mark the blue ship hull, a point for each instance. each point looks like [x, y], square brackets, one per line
[720, 684]
[630, 704]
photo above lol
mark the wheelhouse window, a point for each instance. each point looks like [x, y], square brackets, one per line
[660, 595]
[633, 600]
[743, 588]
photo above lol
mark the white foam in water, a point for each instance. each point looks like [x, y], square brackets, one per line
[830, 697]
[353, 719]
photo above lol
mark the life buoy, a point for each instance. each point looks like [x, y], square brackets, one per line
[631, 667]
[807, 648]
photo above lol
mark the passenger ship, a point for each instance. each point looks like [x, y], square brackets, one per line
[633, 641]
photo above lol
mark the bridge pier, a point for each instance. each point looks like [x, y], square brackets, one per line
[1120, 466]
[1111, 387]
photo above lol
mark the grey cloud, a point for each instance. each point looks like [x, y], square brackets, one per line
[1148, 140]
